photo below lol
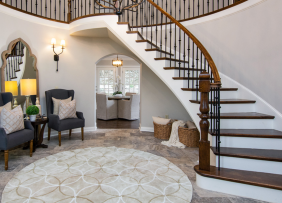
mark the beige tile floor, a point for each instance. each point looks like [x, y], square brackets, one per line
[185, 159]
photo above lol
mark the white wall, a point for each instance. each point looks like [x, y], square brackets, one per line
[76, 67]
[246, 46]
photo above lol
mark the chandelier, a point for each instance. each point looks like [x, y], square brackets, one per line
[119, 5]
[117, 62]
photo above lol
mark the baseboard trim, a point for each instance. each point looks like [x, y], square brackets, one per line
[76, 130]
[146, 129]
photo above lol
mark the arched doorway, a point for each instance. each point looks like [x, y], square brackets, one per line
[113, 112]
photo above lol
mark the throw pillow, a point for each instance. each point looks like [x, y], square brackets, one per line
[162, 121]
[56, 103]
[191, 124]
[12, 120]
[7, 106]
[67, 109]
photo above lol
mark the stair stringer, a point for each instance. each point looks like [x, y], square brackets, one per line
[138, 49]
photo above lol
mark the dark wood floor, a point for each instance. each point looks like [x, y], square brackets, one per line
[117, 124]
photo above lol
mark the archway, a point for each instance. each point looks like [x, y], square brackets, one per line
[112, 112]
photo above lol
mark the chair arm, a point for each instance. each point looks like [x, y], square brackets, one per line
[54, 120]
[27, 125]
[79, 115]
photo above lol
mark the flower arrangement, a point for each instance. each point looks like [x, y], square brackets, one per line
[32, 110]
[118, 84]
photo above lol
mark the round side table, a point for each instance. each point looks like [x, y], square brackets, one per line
[37, 142]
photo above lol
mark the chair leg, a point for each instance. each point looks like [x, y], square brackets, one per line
[70, 132]
[30, 147]
[59, 135]
[6, 155]
[82, 133]
[49, 133]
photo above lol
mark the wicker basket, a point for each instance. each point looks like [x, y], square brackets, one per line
[189, 136]
[162, 131]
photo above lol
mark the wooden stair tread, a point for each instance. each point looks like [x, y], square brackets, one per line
[171, 59]
[135, 32]
[229, 101]
[186, 78]
[266, 180]
[182, 68]
[261, 154]
[258, 133]
[245, 115]
[162, 51]
[221, 89]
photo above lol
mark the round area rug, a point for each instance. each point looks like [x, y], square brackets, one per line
[100, 174]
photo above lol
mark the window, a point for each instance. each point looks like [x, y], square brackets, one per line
[131, 80]
[106, 81]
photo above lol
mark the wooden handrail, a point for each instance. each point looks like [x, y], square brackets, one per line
[195, 40]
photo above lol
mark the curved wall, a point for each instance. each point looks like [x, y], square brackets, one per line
[246, 46]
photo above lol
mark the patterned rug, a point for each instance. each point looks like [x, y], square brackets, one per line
[100, 174]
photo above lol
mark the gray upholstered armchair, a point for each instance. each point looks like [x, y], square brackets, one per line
[129, 109]
[54, 121]
[14, 139]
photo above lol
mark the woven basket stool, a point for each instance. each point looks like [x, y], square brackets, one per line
[189, 136]
[162, 131]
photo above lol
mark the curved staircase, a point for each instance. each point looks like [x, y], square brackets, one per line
[244, 146]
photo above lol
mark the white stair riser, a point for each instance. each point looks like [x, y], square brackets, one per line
[249, 142]
[244, 190]
[246, 123]
[232, 108]
[223, 94]
[250, 164]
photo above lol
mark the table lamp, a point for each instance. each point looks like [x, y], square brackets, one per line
[12, 86]
[28, 87]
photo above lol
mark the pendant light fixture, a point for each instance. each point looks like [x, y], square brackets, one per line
[117, 62]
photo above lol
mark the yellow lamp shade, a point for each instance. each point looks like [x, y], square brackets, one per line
[11, 86]
[28, 87]
[53, 41]
[63, 43]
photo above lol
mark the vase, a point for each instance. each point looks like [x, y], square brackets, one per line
[118, 95]
[32, 118]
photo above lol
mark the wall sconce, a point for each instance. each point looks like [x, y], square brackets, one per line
[56, 56]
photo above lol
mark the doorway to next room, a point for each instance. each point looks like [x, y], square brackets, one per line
[118, 93]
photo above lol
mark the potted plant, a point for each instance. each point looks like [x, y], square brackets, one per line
[117, 94]
[32, 111]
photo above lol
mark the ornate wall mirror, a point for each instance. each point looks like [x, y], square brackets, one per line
[19, 63]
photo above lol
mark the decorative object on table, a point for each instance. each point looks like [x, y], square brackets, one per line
[189, 136]
[117, 62]
[117, 94]
[118, 86]
[28, 87]
[144, 177]
[174, 139]
[54, 120]
[37, 103]
[56, 56]
[17, 138]
[12, 86]
[56, 104]
[129, 109]
[67, 109]
[32, 111]
[106, 109]
[119, 5]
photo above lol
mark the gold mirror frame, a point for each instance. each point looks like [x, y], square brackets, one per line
[4, 59]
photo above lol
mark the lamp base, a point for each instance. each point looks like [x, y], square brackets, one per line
[15, 103]
[26, 102]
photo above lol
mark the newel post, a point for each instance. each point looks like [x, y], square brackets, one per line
[204, 146]
[69, 11]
